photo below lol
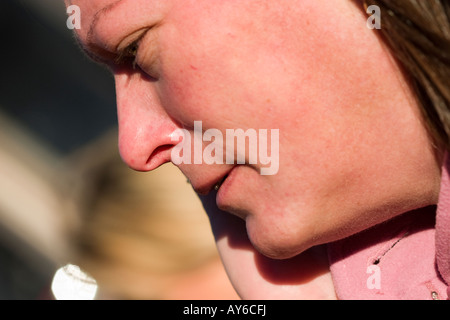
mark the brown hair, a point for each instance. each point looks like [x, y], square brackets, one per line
[418, 32]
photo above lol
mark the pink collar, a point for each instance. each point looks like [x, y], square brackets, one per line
[405, 258]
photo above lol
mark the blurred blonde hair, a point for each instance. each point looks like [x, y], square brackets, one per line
[136, 228]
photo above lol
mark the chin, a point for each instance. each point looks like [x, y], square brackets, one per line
[276, 243]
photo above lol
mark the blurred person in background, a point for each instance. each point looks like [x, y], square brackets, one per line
[142, 236]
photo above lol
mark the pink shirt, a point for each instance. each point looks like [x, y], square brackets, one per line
[405, 258]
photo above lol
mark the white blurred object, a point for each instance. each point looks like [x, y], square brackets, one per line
[71, 283]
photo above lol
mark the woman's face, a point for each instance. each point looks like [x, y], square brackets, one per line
[352, 149]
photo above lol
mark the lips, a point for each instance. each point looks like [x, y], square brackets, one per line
[206, 186]
[218, 184]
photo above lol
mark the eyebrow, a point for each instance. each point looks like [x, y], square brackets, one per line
[97, 17]
[89, 45]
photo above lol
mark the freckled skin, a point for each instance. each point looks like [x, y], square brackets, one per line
[353, 150]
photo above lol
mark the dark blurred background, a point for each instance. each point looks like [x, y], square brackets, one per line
[51, 92]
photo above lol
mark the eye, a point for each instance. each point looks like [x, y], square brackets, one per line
[132, 52]
[128, 55]
[141, 54]
[132, 49]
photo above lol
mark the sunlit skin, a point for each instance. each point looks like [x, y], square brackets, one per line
[353, 149]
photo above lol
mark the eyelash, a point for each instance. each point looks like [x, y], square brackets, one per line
[129, 55]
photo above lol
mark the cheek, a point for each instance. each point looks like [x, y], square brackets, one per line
[218, 65]
[194, 81]
[215, 69]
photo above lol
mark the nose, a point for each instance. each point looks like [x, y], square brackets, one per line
[144, 127]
